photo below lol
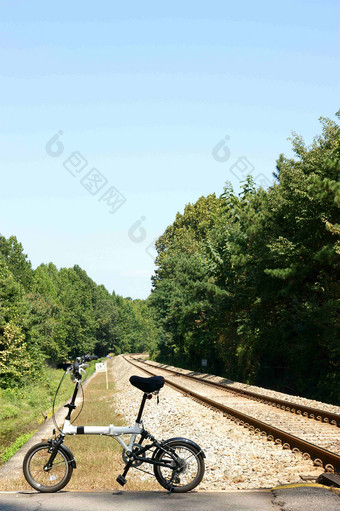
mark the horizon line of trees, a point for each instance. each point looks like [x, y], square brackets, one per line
[49, 315]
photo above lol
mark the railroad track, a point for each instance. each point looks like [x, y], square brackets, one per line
[283, 404]
[261, 417]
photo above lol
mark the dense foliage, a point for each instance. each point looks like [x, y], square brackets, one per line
[49, 315]
[250, 282]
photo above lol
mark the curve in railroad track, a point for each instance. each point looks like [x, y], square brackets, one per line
[320, 455]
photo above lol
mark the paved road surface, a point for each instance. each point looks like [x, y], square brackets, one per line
[293, 499]
[137, 501]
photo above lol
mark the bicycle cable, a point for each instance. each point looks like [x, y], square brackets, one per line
[82, 403]
[55, 397]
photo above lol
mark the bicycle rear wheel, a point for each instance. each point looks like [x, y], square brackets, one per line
[190, 469]
[51, 480]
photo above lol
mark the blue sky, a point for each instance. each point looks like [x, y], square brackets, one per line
[143, 93]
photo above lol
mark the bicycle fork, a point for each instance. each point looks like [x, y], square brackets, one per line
[55, 446]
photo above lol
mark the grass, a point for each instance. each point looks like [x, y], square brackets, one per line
[10, 451]
[99, 459]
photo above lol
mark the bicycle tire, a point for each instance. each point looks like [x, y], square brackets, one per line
[33, 467]
[189, 477]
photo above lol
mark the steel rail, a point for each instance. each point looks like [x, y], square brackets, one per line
[289, 406]
[320, 456]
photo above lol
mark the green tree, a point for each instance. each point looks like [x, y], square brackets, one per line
[254, 279]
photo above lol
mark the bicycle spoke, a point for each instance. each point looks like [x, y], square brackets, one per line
[51, 477]
[186, 457]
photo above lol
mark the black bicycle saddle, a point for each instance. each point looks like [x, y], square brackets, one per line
[147, 385]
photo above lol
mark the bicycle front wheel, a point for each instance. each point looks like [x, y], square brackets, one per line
[51, 480]
[190, 466]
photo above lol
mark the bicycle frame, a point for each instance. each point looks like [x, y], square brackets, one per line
[114, 431]
[110, 430]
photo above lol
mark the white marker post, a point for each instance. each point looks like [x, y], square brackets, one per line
[101, 367]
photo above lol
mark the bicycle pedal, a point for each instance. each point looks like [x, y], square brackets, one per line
[121, 480]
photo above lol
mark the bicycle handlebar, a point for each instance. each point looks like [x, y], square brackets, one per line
[88, 358]
[79, 362]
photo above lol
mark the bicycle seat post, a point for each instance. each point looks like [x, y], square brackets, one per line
[141, 408]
